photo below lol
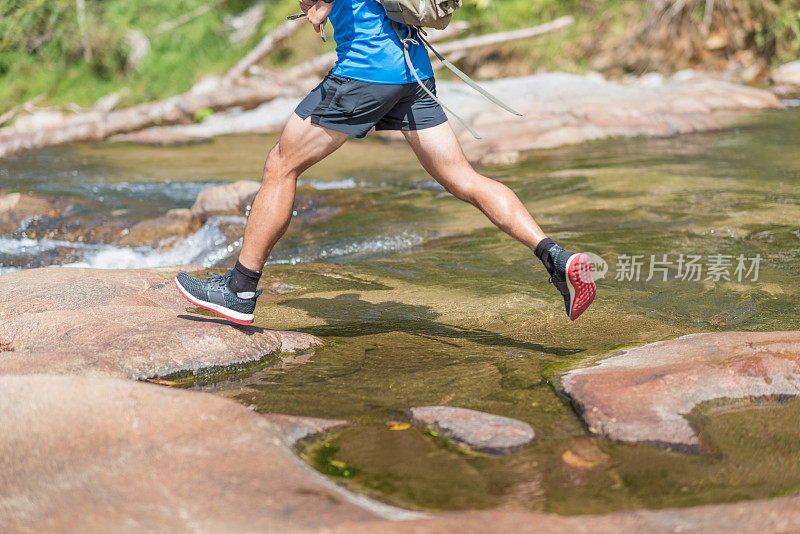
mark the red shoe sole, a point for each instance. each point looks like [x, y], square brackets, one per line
[199, 305]
[581, 284]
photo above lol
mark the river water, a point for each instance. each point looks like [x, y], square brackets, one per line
[421, 301]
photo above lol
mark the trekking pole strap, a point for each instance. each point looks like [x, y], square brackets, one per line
[489, 96]
[405, 42]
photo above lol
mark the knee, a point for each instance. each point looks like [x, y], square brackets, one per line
[463, 188]
[278, 168]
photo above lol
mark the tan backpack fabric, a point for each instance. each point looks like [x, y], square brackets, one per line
[422, 13]
[431, 14]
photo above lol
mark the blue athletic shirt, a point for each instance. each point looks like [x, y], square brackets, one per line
[369, 49]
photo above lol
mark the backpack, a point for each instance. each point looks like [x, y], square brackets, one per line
[419, 14]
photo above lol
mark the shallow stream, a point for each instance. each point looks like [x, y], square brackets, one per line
[421, 301]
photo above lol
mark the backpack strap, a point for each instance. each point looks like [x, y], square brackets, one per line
[489, 96]
[393, 6]
[406, 41]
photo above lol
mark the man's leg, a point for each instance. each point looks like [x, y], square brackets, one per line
[441, 155]
[234, 294]
[301, 145]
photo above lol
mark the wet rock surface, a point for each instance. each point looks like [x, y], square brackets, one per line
[642, 395]
[96, 454]
[295, 428]
[482, 432]
[121, 323]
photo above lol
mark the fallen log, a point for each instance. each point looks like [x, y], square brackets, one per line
[504, 37]
[262, 49]
[95, 126]
[11, 113]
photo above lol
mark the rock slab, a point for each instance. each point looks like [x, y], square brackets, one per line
[788, 73]
[564, 109]
[558, 109]
[121, 323]
[642, 395]
[482, 432]
[91, 454]
[777, 516]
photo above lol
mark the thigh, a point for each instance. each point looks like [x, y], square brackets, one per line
[440, 153]
[302, 144]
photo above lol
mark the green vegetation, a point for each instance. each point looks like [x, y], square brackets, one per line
[47, 47]
[43, 50]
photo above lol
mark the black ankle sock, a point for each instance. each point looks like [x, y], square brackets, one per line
[543, 253]
[243, 280]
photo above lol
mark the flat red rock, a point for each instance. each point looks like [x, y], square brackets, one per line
[642, 395]
[123, 323]
[89, 454]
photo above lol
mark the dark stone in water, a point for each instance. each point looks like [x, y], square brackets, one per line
[482, 432]
[642, 395]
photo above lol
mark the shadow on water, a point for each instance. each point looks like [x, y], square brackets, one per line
[347, 315]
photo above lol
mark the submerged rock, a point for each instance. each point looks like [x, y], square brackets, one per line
[642, 395]
[121, 323]
[177, 223]
[90, 454]
[585, 456]
[228, 199]
[482, 432]
[15, 208]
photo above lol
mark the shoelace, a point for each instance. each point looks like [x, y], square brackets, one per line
[218, 281]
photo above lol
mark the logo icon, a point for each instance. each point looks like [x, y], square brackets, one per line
[599, 265]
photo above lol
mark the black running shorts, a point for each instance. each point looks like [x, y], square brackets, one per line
[354, 107]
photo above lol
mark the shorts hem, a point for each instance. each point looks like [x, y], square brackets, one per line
[341, 128]
[409, 128]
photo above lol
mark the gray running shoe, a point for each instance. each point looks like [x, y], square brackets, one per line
[572, 276]
[212, 294]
